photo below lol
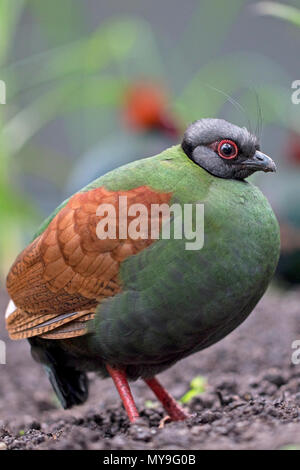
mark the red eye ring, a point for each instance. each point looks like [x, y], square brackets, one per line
[233, 144]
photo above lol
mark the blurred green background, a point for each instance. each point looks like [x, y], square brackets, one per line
[91, 85]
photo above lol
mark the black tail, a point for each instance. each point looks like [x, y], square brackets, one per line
[69, 384]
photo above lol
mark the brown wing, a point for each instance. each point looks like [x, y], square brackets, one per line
[67, 271]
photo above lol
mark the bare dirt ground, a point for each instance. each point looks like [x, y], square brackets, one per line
[252, 400]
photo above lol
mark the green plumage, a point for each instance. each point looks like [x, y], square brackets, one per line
[175, 301]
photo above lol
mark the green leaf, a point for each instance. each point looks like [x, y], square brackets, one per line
[59, 20]
[151, 404]
[10, 11]
[290, 447]
[278, 10]
[18, 218]
[63, 99]
[205, 94]
[197, 386]
[73, 83]
[121, 43]
[206, 18]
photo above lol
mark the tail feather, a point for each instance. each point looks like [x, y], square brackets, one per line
[69, 384]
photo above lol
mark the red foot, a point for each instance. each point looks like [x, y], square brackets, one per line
[121, 383]
[174, 410]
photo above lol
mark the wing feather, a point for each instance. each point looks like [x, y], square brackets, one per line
[67, 270]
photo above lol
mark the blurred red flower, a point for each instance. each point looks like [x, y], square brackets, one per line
[293, 148]
[146, 108]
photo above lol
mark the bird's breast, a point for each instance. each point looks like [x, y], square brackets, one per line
[175, 300]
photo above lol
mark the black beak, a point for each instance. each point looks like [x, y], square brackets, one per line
[260, 162]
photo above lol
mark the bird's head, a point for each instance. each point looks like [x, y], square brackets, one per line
[225, 150]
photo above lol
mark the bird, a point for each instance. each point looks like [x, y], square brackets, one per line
[90, 294]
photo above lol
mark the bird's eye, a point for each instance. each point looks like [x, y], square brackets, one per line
[227, 149]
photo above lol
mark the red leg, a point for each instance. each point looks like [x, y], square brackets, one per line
[121, 383]
[173, 409]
